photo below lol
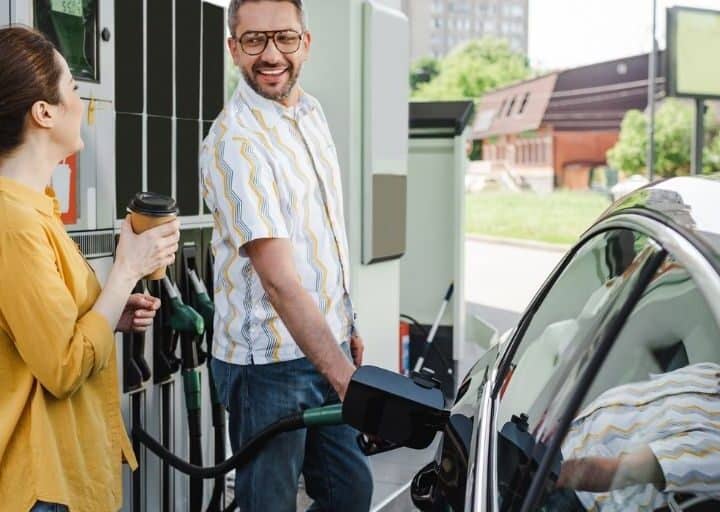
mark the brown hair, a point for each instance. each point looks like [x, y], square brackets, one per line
[235, 5]
[29, 73]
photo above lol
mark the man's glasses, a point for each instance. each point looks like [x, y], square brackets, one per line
[255, 42]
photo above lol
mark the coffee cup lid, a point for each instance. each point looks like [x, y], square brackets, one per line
[150, 203]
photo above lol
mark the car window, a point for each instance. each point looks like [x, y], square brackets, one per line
[555, 339]
[647, 435]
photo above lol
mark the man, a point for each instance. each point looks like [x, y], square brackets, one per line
[284, 318]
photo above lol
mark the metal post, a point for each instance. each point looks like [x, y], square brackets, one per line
[698, 137]
[652, 72]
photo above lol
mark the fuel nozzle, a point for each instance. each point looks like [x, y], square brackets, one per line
[183, 318]
[203, 304]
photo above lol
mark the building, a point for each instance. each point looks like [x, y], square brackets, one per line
[437, 26]
[559, 126]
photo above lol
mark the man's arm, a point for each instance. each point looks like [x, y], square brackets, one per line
[603, 474]
[272, 260]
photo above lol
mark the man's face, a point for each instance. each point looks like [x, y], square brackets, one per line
[272, 74]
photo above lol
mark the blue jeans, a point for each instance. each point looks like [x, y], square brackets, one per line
[337, 474]
[41, 506]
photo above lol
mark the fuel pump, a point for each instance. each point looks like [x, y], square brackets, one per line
[189, 326]
[201, 300]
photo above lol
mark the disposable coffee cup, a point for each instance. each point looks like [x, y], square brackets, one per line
[148, 210]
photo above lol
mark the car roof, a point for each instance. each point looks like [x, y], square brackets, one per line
[688, 204]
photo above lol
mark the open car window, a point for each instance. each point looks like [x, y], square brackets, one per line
[647, 434]
[552, 352]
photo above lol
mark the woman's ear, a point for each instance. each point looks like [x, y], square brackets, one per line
[42, 114]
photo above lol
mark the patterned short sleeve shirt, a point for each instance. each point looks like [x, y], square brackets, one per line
[676, 415]
[268, 171]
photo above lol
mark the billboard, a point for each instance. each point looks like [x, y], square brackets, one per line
[693, 46]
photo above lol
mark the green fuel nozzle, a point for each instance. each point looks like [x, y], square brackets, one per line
[183, 318]
[203, 304]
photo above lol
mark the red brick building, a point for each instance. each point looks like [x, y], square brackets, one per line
[561, 125]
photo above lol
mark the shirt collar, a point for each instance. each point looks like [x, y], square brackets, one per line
[46, 203]
[270, 112]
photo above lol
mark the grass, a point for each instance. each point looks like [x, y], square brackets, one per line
[558, 218]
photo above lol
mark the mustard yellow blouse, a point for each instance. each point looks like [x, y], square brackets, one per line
[62, 438]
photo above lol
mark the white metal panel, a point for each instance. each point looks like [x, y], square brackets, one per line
[385, 105]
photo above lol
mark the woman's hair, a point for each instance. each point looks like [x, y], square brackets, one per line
[29, 72]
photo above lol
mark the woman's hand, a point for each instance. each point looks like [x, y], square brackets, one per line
[141, 254]
[138, 314]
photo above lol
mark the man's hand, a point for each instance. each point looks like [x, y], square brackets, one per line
[138, 314]
[357, 348]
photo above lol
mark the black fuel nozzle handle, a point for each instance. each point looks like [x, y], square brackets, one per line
[394, 408]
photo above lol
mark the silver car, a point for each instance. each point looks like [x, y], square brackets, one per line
[606, 396]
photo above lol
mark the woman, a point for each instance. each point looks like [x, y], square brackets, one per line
[62, 439]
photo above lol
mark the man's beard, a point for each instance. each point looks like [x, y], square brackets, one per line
[278, 96]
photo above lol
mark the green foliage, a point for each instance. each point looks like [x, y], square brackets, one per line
[559, 217]
[475, 150]
[422, 71]
[474, 68]
[630, 151]
[232, 75]
[673, 141]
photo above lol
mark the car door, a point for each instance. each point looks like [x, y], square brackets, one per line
[554, 338]
[632, 423]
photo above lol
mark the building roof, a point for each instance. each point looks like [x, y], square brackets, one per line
[593, 97]
[513, 109]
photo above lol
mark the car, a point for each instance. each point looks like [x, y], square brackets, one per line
[606, 395]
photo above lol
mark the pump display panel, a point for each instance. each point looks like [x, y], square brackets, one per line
[73, 25]
[693, 44]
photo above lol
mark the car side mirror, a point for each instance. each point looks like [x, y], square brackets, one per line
[393, 407]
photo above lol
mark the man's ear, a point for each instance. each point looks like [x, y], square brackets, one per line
[234, 48]
[307, 40]
[42, 114]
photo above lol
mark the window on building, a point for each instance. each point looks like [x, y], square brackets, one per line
[524, 103]
[502, 108]
[510, 107]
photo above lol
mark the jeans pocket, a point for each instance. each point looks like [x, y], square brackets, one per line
[221, 376]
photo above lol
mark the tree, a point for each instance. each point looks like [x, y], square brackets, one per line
[673, 140]
[232, 76]
[474, 68]
[422, 71]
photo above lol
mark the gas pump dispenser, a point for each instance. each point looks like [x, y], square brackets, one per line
[189, 326]
[201, 301]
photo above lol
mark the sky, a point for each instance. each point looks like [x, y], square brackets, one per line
[569, 33]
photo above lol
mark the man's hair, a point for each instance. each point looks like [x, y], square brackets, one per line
[235, 6]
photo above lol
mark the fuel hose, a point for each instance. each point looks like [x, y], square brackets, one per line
[314, 417]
